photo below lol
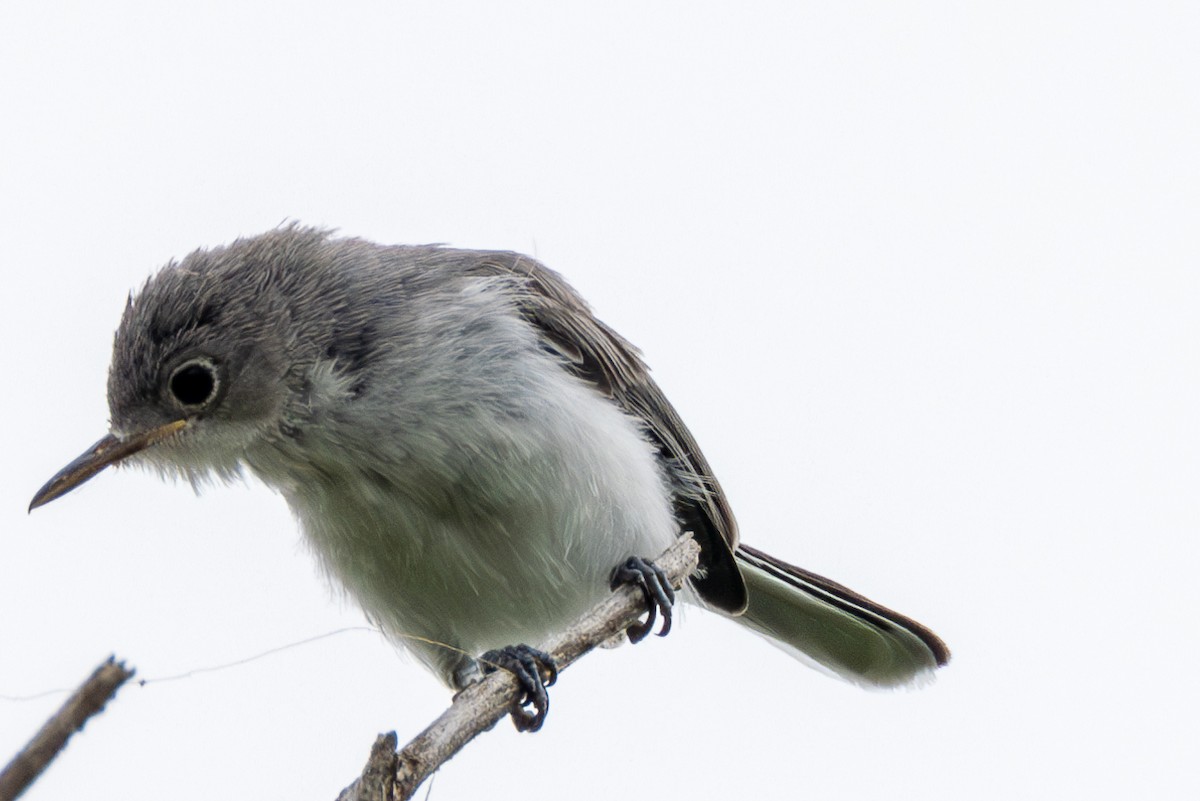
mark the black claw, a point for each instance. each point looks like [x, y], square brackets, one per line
[527, 664]
[660, 595]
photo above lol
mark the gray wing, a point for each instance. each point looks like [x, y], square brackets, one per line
[604, 359]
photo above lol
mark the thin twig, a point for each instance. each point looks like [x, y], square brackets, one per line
[85, 702]
[391, 776]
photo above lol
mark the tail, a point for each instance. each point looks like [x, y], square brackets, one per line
[834, 629]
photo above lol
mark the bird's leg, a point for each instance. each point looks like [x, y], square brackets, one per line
[655, 585]
[527, 664]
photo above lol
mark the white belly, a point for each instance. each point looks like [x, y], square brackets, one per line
[505, 547]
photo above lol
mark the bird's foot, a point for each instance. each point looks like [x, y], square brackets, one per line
[528, 665]
[660, 595]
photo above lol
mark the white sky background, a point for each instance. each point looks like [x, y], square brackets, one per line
[922, 278]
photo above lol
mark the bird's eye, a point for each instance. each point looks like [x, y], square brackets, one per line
[193, 383]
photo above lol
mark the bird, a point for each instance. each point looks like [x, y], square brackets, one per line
[468, 450]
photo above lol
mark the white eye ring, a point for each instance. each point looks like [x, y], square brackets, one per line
[194, 383]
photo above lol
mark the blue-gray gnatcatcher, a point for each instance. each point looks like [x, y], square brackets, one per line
[467, 448]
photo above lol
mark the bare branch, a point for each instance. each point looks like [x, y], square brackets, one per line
[391, 776]
[85, 702]
[378, 778]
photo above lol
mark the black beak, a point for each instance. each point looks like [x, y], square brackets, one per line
[109, 450]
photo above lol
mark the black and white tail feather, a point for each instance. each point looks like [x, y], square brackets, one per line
[834, 629]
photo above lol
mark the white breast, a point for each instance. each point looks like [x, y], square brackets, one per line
[479, 531]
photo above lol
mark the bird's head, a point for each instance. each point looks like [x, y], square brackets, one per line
[201, 361]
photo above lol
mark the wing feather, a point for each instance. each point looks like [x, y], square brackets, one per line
[603, 358]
